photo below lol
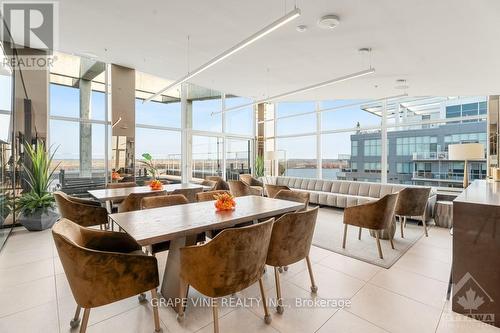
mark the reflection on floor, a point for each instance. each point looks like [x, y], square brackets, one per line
[408, 297]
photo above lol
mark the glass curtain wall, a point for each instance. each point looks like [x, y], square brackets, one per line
[77, 122]
[342, 139]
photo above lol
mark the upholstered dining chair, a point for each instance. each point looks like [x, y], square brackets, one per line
[210, 183]
[290, 242]
[272, 190]
[250, 180]
[121, 185]
[376, 216]
[163, 201]
[83, 212]
[189, 193]
[412, 201]
[232, 261]
[209, 195]
[296, 196]
[220, 184]
[133, 201]
[240, 189]
[103, 267]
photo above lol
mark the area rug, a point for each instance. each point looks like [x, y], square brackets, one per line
[330, 230]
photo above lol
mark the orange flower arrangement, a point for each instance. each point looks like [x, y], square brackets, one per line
[156, 185]
[224, 201]
[115, 175]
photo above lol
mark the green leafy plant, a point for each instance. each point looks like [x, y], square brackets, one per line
[39, 179]
[150, 166]
[259, 166]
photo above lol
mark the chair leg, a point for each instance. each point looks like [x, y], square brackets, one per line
[402, 227]
[391, 238]
[279, 307]
[345, 236]
[267, 316]
[142, 298]
[314, 287]
[215, 312]
[359, 233]
[377, 236]
[154, 301]
[183, 291]
[76, 319]
[425, 226]
[405, 218]
[85, 320]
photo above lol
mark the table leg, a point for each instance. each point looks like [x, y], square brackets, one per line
[170, 287]
[107, 204]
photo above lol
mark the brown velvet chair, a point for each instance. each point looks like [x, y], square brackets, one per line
[250, 180]
[103, 267]
[220, 184]
[240, 189]
[209, 195]
[121, 185]
[412, 201]
[229, 263]
[133, 201]
[210, 183]
[296, 196]
[375, 216]
[83, 212]
[163, 201]
[290, 242]
[272, 190]
[189, 193]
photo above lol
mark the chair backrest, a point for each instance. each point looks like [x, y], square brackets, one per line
[238, 188]
[230, 262]
[210, 183]
[133, 201]
[272, 190]
[163, 201]
[292, 237]
[220, 183]
[296, 196]
[79, 211]
[412, 201]
[375, 215]
[189, 193]
[209, 195]
[247, 179]
[121, 185]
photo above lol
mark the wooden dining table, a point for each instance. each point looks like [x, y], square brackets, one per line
[180, 224]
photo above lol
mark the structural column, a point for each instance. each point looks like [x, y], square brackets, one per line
[85, 129]
[383, 142]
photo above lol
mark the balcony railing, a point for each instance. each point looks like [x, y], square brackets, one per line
[429, 155]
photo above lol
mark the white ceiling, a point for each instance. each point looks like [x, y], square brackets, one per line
[441, 47]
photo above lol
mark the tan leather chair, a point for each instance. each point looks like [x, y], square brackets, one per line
[240, 189]
[375, 216]
[250, 180]
[189, 193]
[220, 184]
[163, 201]
[296, 196]
[290, 242]
[209, 195]
[133, 201]
[412, 201]
[103, 267]
[83, 212]
[231, 262]
[272, 190]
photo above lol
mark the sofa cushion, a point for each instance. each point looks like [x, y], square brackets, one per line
[318, 186]
[344, 187]
[327, 186]
[311, 185]
[364, 189]
[374, 191]
[354, 188]
[336, 186]
[384, 190]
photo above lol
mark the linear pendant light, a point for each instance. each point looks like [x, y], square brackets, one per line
[241, 45]
[308, 88]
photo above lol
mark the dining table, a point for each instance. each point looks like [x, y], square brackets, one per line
[180, 224]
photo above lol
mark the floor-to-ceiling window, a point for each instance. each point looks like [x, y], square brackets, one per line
[78, 120]
[158, 128]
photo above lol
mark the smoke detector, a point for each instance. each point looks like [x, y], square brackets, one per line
[329, 22]
[301, 28]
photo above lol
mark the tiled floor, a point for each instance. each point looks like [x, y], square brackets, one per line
[408, 297]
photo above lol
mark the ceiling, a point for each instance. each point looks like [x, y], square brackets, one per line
[441, 48]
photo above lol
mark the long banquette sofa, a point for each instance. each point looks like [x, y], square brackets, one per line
[343, 193]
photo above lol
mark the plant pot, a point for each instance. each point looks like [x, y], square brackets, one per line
[40, 219]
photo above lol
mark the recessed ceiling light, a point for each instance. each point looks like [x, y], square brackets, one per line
[329, 22]
[301, 28]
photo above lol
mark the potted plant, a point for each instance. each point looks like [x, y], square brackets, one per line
[259, 167]
[151, 168]
[37, 206]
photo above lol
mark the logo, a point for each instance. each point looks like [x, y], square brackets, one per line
[29, 24]
[469, 294]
